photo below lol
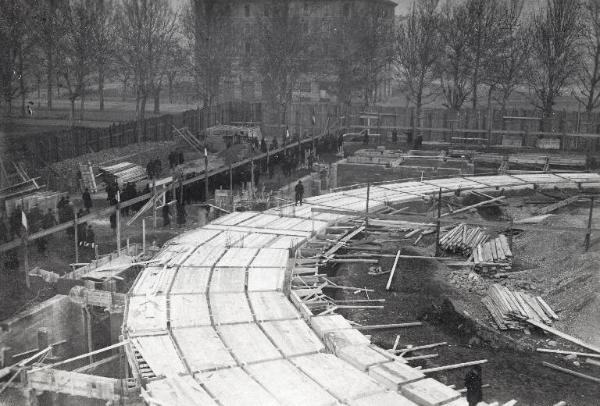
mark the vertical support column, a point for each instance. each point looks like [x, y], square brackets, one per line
[251, 178]
[118, 214]
[438, 225]
[88, 330]
[231, 186]
[588, 235]
[367, 207]
[26, 259]
[75, 223]
[205, 176]
[144, 235]
[154, 203]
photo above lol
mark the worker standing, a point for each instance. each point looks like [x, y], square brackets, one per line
[299, 193]
[87, 200]
[473, 385]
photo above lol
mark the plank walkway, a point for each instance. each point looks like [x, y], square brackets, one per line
[211, 323]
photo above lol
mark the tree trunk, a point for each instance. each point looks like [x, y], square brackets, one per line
[141, 116]
[82, 103]
[101, 86]
[157, 101]
[50, 77]
[170, 78]
[39, 88]
[72, 115]
[22, 81]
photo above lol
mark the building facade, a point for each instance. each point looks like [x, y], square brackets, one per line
[321, 16]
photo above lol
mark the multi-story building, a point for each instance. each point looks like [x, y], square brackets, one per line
[321, 15]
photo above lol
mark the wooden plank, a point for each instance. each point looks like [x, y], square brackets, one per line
[289, 385]
[292, 337]
[474, 206]
[268, 306]
[564, 352]
[211, 354]
[395, 374]
[389, 326]
[557, 205]
[389, 282]
[547, 308]
[233, 386]
[248, 343]
[565, 336]
[454, 366]
[571, 372]
[75, 384]
[429, 392]
[337, 377]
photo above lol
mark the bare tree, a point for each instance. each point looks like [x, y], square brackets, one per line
[555, 57]
[207, 26]
[49, 28]
[283, 54]
[15, 46]
[418, 50]
[145, 31]
[103, 40]
[506, 68]
[76, 49]
[453, 68]
[482, 25]
[588, 78]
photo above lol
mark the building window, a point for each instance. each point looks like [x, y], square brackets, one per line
[306, 9]
[247, 47]
[346, 10]
[266, 11]
[247, 10]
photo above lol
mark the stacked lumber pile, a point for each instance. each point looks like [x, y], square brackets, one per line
[493, 255]
[512, 309]
[463, 239]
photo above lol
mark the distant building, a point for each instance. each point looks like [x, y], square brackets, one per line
[244, 84]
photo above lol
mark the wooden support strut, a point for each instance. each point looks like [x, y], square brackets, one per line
[389, 282]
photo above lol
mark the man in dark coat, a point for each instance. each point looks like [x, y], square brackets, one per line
[473, 385]
[299, 189]
[166, 215]
[263, 145]
[87, 200]
[394, 136]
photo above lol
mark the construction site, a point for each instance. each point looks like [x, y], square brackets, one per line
[398, 271]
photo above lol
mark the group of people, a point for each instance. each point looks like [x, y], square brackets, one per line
[415, 143]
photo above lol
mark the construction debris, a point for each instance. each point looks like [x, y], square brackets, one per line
[493, 255]
[509, 309]
[462, 239]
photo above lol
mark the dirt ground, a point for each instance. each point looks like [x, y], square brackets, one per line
[558, 269]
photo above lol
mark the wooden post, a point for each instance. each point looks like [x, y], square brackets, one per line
[231, 186]
[251, 178]
[510, 234]
[438, 225]
[118, 224]
[205, 178]
[588, 235]
[367, 208]
[26, 259]
[154, 204]
[75, 223]
[144, 235]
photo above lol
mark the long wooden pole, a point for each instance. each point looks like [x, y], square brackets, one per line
[118, 215]
[438, 225]
[588, 235]
[454, 366]
[389, 282]
[571, 372]
[367, 206]
[564, 352]
[144, 235]
[205, 178]
[154, 204]
[26, 259]
[389, 326]
[75, 219]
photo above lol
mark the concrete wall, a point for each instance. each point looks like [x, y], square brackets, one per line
[59, 315]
